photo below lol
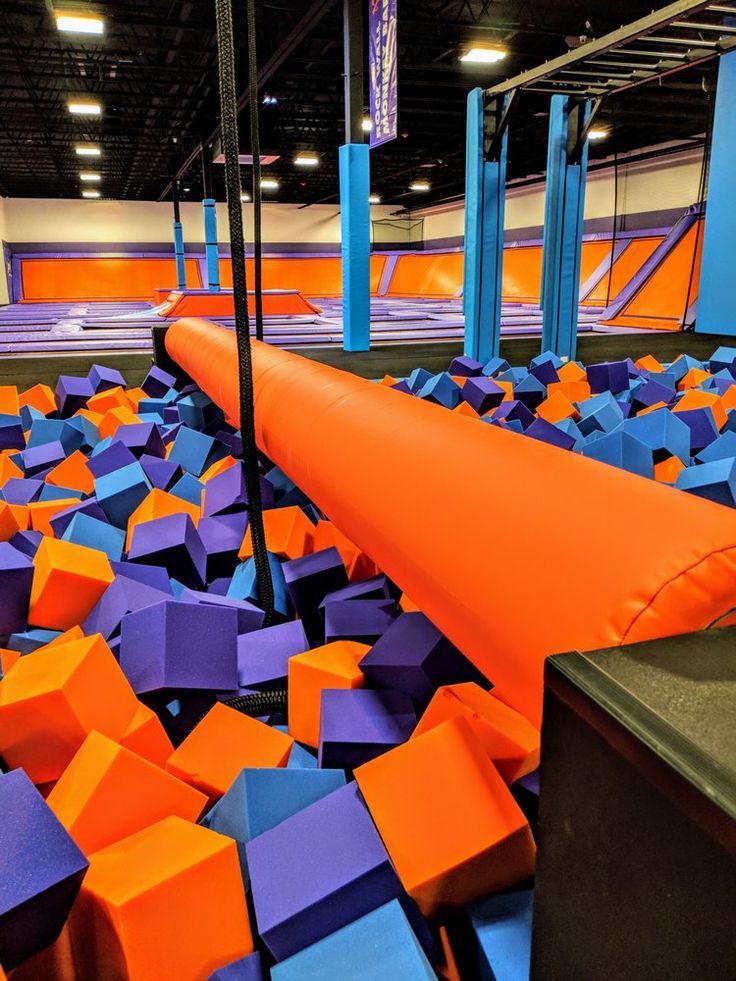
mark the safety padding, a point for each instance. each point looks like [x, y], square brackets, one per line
[591, 556]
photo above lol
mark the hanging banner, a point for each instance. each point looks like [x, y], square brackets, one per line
[382, 55]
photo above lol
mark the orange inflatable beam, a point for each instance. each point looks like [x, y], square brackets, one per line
[479, 526]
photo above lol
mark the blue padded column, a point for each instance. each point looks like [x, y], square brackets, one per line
[210, 245]
[717, 295]
[563, 227]
[485, 200]
[356, 245]
[181, 268]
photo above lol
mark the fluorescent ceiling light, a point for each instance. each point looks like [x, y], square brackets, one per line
[244, 198]
[596, 133]
[367, 125]
[268, 184]
[90, 194]
[87, 151]
[85, 108]
[419, 186]
[374, 199]
[306, 160]
[79, 24]
[89, 178]
[484, 56]
[247, 159]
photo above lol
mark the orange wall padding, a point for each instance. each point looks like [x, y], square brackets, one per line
[662, 302]
[625, 267]
[479, 526]
[314, 276]
[425, 274]
[129, 278]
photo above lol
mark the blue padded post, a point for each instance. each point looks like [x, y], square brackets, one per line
[356, 245]
[485, 199]
[181, 268]
[563, 226]
[717, 294]
[211, 251]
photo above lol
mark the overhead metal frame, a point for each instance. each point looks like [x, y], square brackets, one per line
[588, 72]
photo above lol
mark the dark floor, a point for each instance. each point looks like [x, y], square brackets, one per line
[393, 359]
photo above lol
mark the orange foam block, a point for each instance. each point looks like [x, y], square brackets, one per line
[694, 377]
[288, 534]
[217, 468]
[667, 471]
[695, 399]
[333, 665]
[68, 580]
[449, 822]
[649, 363]
[159, 504]
[134, 396]
[73, 633]
[507, 387]
[41, 513]
[556, 408]
[223, 744]
[358, 565]
[39, 397]
[464, 409]
[8, 522]
[108, 793]
[113, 419]
[111, 398]
[73, 473]
[574, 391]
[8, 469]
[510, 740]
[408, 605]
[22, 515]
[165, 903]
[54, 697]
[388, 380]
[147, 737]
[571, 372]
[7, 660]
[652, 408]
[9, 402]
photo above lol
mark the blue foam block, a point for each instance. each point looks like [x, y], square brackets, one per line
[531, 392]
[244, 586]
[502, 928]
[495, 366]
[120, 492]
[379, 946]
[720, 449]
[722, 357]
[259, 799]
[621, 449]
[30, 640]
[601, 412]
[188, 488]
[50, 492]
[715, 481]
[60, 521]
[101, 535]
[441, 390]
[192, 450]
[418, 378]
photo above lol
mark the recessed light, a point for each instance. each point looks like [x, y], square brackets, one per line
[367, 125]
[597, 133]
[306, 160]
[244, 198]
[268, 184]
[484, 56]
[79, 24]
[374, 199]
[85, 108]
[419, 186]
[87, 151]
[90, 194]
[89, 178]
[270, 100]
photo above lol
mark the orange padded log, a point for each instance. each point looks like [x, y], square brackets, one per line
[513, 548]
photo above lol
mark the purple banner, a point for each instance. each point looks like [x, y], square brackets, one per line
[382, 54]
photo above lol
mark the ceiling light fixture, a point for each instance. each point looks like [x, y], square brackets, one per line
[79, 24]
[306, 160]
[90, 194]
[484, 56]
[85, 108]
[244, 198]
[597, 133]
[87, 151]
[419, 186]
[374, 199]
[367, 125]
[90, 178]
[269, 184]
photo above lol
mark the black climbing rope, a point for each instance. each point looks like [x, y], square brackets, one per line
[259, 703]
[255, 138]
[251, 476]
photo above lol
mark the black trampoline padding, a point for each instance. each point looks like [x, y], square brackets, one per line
[636, 873]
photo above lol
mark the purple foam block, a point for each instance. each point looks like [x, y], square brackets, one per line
[232, 441]
[250, 617]
[225, 493]
[402, 386]
[482, 394]
[37, 459]
[27, 542]
[113, 457]
[157, 382]
[362, 620]
[414, 657]
[513, 410]
[72, 394]
[650, 393]
[162, 474]
[702, 426]
[547, 432]
[343, 872]
[121, 597]
[16, 578]
[247, 968]
[222, 537]
[174, 543]
[150, 575]
[357, 725]
[11, 433]
[140, 438]
[21, 490]
[263, 656]
[41, 870]
[610, 376]
[465, 366]
[61, 521]
[545, 372]
[376, 588]
[102, 378]
[180, 645]
[308, 580]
